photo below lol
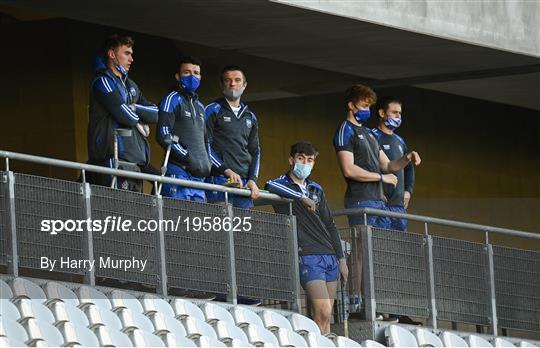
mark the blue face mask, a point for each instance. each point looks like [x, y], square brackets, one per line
[190, 83]
[302, 171]
[362, 115]
[121, 69]
[392, 123]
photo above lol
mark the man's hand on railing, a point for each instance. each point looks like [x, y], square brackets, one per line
[235, 178]
[343, 269]
[252, 185]
[309, 203]
[414, 157]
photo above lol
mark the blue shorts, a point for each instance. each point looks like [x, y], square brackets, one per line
[395, 223]
[318, 267]
[372, 220]
[217, 196]
[181, 192]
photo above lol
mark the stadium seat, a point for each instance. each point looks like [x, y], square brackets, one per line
[153, 304]
[477, 341]
[78, 335]
[273, 321]
[196, 328]
[452, 340]
[91, 296]
[11, 329]
[426, 338]
[99, 316]
[145, 339]
[243, 317]
[526, 344]
[5, 291]
[372, 344]
[258, 335]
[132, 320]
[316, 340]
[11, 342]
[42, 331]
[171, 340]
[289, 338]
[501, 343]
[23, 288]
[34, 309]
[8, 309]
[213, 313]
[164, 324]
[184, 308]
[112, 338]
[227, 332]
[341, 341]
[209, 342]
[65, 311]
[303, 325]
[58, 292]
[396, 336]
[121, 299]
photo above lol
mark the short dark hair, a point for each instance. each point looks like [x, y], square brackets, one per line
[232, 68]
[188, 60]
[385, 101]
[117, 40]
[304, 147]
[358, 92]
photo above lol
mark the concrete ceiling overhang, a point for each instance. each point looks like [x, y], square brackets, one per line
[379, 55]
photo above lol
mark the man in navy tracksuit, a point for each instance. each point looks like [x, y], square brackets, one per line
[182, 114]
[319, 245]
[398, 197]
[233, 131]
[117, 102]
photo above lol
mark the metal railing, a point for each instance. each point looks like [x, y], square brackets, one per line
[259, 262]
[438, 278]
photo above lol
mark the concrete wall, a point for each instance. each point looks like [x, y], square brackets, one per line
[504, 25]
[480, 159]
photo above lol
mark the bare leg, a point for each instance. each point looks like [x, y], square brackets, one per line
[332, 289]
[321, 304]
[355, 266]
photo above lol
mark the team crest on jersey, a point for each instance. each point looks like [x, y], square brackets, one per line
[132, 91]
[187, 113]
[248, 122]
[226, 119]
[386, 147]
[361, 136]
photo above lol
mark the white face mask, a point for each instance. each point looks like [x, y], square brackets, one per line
[233, 94]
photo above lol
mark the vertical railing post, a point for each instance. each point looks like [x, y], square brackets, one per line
[13, 257]
[368, 272]
[296, 302]
[493, 301]
[430, 275]
[232, 289]
[88, 239]
[162, 252]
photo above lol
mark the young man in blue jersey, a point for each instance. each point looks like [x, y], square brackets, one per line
[321, 256]
[365, 168]
[398, 196]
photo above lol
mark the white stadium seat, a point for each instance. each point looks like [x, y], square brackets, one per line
[477, 341]
[426, 338]
[289, 338]
[316, 340]
[12, 329]
[121, 299]
[213, 313]
[258, 335]
[303, 325]
[34, 309]
[64, 311]
[243, 316]
[196, 328]
[164, 324]
[452, 340]
[396, 336]
[5, 291]
[145, 339]
[91, 296]
[100, 316]
[209, 342]
[153, 304]
[43, 331]
[8, 309]
[273, 321]
[58, 292]
[341, 341]
[23, 288]
[372, 344]
[184, 308]
[78, 335]
[502, 343]
[132, 320]
[171, 340]
[112, 338]
[227, 332]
